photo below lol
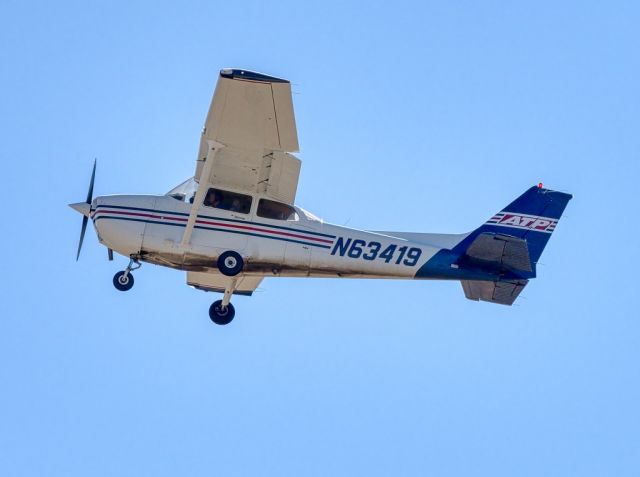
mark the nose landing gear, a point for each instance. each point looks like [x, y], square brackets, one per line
[123, 280]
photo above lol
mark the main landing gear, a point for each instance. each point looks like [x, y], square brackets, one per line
[222, 311]
[230, 264]
[221, 315]
[123, 280]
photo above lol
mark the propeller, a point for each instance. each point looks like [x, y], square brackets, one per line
[85, 209]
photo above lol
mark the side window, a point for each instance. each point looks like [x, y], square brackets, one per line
[270, 209]
[227, 200]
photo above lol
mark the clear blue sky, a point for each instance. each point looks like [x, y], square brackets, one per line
[425, 116]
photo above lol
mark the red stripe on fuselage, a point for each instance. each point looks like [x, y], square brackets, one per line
[217, 224]
[255, 229]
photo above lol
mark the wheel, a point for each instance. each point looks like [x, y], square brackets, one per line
[230, 263]
[121, 282]
[219, 315]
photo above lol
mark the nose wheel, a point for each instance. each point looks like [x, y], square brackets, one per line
[123, 280]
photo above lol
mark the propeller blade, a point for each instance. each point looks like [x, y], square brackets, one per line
[86, 211]
[93, 176]
[85, 219]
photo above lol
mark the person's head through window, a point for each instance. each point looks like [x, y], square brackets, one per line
[213, 198]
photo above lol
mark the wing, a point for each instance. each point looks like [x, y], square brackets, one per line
[217, 282]
[248, 133]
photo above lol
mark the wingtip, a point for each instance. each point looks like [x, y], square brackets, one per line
[241, 74]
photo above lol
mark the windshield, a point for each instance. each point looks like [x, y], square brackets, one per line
[185, 191]
[308, 215]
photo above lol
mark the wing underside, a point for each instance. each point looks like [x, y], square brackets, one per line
[217, 282]
[247, 137]
[251, 128]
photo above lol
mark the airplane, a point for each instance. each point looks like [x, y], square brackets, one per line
[235, 222]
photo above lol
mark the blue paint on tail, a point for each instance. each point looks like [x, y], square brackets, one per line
[532, 217]
[536, 202]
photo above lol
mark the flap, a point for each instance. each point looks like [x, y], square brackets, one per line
[274, 174]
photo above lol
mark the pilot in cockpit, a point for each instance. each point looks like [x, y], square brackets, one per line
[213, 199]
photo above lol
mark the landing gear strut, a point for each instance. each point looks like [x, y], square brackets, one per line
[123, 280]
[222, 311]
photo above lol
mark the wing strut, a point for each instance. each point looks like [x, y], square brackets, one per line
[214, 147]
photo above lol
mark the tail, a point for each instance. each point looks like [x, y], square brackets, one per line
[495, 261]
[532, 217]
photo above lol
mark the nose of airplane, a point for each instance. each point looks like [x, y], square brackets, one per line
[82, 207]
[119, 223]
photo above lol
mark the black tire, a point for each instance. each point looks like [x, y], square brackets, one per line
[121, 282]
[230, 263]
[219, 315]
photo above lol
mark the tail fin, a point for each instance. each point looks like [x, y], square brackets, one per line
[532, 217]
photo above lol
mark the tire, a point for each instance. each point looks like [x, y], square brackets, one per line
[123, 283]
[220, 316]
[230, 263]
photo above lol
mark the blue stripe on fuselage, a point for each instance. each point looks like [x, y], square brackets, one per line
[205, 227]
[168, 212]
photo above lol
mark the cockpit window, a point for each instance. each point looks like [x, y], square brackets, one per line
[227, 200]
[270, 209]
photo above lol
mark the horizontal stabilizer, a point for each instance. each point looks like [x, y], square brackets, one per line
[502, 292]
[502, 252]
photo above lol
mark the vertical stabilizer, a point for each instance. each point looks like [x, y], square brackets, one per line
[532, 217]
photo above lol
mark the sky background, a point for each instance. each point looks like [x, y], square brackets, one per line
[424, 116]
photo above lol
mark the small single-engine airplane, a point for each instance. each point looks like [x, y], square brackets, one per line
[235, 221]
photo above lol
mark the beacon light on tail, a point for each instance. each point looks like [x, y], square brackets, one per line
[235, 223]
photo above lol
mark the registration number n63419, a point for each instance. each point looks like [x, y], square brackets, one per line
[357, 248]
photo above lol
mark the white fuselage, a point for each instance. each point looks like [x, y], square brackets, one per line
[152, 228]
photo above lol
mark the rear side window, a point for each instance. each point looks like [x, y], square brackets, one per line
[227, 200]
[270, 209]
